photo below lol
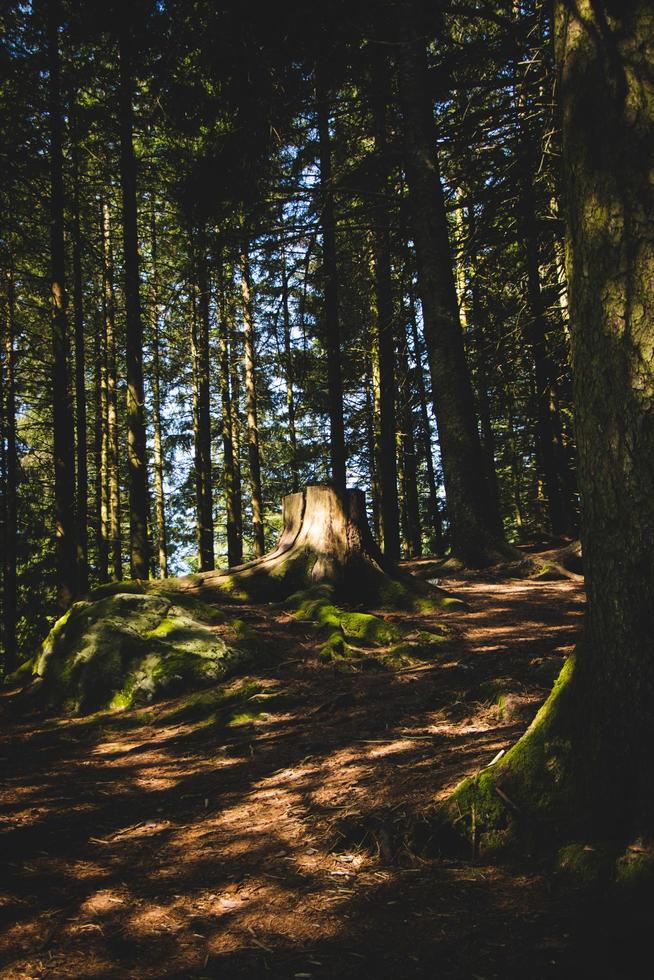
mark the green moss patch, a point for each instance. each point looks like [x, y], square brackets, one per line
[530, 783]
[131, 648]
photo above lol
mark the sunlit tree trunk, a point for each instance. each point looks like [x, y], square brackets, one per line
[203, 470]
[135, 416]
[101, 449]
[110, 384]
[254, 458]
[330, 288]
[232, 501]
[159, 493]
[62, 410]
[288, 374]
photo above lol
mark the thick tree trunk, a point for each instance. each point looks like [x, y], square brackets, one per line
[475, 539]
[63, 416]
[136, 445]
[10, 522]
[251, 408]
[604, 55]
[330, 288]
[325, 541]
[584, 765]
[203, 468]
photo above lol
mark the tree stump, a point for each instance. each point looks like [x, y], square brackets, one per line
[326, 540]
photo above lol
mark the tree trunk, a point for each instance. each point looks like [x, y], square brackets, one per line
[407, 455]
[232, 504]
[203, 470]
[604, 55]
[584, 765]
[111, 469]
[159, 495]
[235, 405]
[81, 501]
[325, 541]
[475, 539]
[101, 444]
[136, 445]
[63, 416]
[288, 373]
[330, 288]
[380, 90]
[10, 522]
[435, 520]
[251, 407]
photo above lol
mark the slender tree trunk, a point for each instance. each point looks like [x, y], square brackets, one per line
[288, 372]
[136, 445]
[63, 416]
[235, 404]
[251, 408]
[330, 288]
[10, 523]
[373, 447]
[81, 502]
[111, 444]
[159, 495]
[232, 504]
[203, 469]
[434, 510]
[473, 524]
[407, 455]
[101, 447]
[385, 318]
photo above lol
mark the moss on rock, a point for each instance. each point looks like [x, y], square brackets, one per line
[131, 648]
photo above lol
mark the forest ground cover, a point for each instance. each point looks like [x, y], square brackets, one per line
[263, 831]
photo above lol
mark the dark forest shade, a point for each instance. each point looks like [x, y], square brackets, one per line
[474, 527]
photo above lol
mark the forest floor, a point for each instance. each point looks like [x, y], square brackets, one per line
[261, 840]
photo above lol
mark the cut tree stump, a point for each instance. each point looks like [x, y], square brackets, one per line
[325, 541]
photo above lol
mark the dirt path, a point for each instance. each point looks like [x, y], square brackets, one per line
[265, 839]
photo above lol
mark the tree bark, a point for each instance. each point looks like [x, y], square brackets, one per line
[110, 382]
[251, 408]
[63, 416]
[136, 444]
[330, 289]
[380, 91]
[288, 373]
[10, 521]
[474, 535]
[159, 494]
[202, 399]
[232, 501]
[81, 501]
[101, 443]
[604, 55]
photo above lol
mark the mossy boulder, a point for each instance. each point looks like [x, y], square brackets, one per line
[130, 648]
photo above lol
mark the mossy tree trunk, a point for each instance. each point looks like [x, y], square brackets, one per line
[604, 54]
[585, 763]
